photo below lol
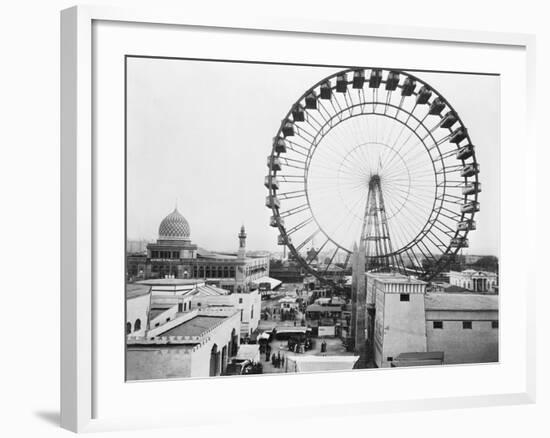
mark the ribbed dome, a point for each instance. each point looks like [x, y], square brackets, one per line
[174, 227]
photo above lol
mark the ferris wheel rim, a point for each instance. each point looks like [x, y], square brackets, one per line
[414, 242]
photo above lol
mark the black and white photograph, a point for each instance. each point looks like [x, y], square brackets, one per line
[316, 218]
[285, 218]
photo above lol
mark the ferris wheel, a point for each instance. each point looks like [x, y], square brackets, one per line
[375, 158]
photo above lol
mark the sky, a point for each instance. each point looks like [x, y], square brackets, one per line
[199, 132]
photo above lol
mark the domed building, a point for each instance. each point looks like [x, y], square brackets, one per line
[174, 227]
[175, 256]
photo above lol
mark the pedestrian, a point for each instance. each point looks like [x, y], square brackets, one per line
[273, 359]
[283, 361]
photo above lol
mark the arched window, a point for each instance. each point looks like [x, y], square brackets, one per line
[128, 328]
[137, 325]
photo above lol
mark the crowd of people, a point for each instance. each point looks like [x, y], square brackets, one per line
[277, 360]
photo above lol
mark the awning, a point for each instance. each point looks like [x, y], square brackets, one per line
[248, 352]
[300, 364]
[290, 329]
[273, 282]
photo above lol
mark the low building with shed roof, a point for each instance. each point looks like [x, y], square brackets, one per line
[198, 343]
[405, 322]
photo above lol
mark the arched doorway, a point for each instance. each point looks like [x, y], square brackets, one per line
[234, 343]
[224, 358]
[214, 361]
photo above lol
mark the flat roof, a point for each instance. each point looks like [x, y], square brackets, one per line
[319, 308]
[158, 308]
[208, 290]
[388, 277]
[134, 290]
[216, 256]
[460, 301]
[195, 326]
[171, 281]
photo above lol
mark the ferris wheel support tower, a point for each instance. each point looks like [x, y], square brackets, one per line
[375, 253]
[375, 234]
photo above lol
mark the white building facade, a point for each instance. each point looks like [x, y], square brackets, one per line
[476, 281]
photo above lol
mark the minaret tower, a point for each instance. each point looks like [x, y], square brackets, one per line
[240, 277]
[242, 243]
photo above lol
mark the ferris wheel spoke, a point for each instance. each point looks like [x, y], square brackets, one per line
[296, 151]
[450, 214]
[449, 232]
[320, 250]
[421, 140]
[330, 260]
[291, 195]
[325, 113]
[307, 240]
[295, 210]
[440, 245]
[388, 100]
[299, 226]
[436, 143]
[293, 166]
[418, 262]
[294, 145]
[346, 261]
[426, 252]
[309, 118]
[287, 161]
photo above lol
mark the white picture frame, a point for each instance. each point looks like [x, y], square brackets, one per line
[79, 213]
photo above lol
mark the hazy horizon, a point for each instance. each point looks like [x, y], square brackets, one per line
[199, 134]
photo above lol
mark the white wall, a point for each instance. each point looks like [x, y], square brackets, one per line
[476, 345]
[138, 308]
[403, 325]
[221, 336]
[29, 177]
[162, 362]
